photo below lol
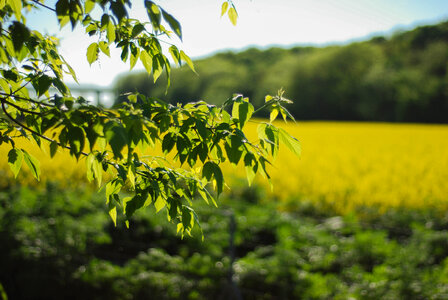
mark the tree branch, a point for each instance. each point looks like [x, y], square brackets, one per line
[20, 108]
[33, 131]
[26, 99]
[43, 5]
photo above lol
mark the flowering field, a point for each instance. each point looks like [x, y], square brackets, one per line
[344, 165]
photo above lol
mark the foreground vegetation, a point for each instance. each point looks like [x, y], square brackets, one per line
[363, 214]
[60, 244]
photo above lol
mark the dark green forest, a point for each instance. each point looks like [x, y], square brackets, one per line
[401, 78]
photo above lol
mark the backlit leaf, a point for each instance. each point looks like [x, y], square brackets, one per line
[224, 8]
[15, 159]
[16, 6]
[146, 61]
[233, 16]
[174, 24]
[92, 53]
[187, 59]
[33, 164]
[291, 142]
[104, 47]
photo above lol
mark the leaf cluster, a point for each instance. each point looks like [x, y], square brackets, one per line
[195, 138]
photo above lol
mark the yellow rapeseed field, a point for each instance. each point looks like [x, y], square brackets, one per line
[344, 165]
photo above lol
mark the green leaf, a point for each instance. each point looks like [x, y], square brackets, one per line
[169, 140]
[97, 168]
[15, 159]
[4, 85]
[175, 54]
[19, 35]
[146, 61]
[233, 16]
[33, 164]
[136, 202]
[113, 215]
[16, 6]
[187, 218]
[131, 177]
[89, 6]
[104, 47]
[92, 53]
[243, 112]
[291, 142]
[42, 84]
[210, 171]
[113, 187]
[157, 66]
[110, 33]
[116, 136]
[53, 148]
[251, 167]
[137, 29]
[76, 140]
[187, 59]
[234, 149]
[154, 14]
[174, 24]
[135, 54]
[118, 9]
[224, 8]
[159, 204]
[273, 115]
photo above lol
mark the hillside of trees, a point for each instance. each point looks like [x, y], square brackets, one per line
[401, 78]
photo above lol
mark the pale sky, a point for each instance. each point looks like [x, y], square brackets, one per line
[261, 23]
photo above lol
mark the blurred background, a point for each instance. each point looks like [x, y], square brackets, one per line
[362, 215]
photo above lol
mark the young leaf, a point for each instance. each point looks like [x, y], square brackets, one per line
[15, 159]
[251, 167]
[53, 148]
[113, 214]
[175, 54]
[97, 169]
[113, 187]
[88, 6]
[104, 47]
[187, 59]
[146, 61]
[16, 6]
[92, 53]
[233, 16]
[224, 8]
[157, 66]
[291, 142]
[174, 24]
[110, 33]
[76, 140]
[154, 14]
[42, 84]
[243, 111]
[210, 171]
[116, 136]
[159, 204]
[33, 164]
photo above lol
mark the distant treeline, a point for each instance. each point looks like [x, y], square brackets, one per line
[402, 78]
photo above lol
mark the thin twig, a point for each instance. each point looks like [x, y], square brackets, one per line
[43, 5]
[21, 108]
[26, 99]
[33, 131]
